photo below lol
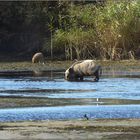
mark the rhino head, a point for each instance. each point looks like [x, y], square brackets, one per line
[69, 74]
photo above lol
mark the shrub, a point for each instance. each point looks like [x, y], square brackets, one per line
[111, 31]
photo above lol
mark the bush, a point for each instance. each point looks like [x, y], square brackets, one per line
[111, 31]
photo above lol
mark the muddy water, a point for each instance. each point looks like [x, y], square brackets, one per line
[48, 96]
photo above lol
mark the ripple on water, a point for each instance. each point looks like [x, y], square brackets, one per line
[69, 112]
[126, 88]
[119, 88]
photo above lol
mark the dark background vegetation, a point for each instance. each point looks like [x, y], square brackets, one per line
[70, 29]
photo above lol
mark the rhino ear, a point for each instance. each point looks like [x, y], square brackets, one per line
[70, 70]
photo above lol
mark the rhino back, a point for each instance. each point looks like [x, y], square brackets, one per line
[87, 67]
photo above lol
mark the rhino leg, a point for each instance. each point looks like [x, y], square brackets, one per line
[81, 78]
[77, 77]
[96, 76]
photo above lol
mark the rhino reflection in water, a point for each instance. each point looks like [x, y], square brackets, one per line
[83, 68]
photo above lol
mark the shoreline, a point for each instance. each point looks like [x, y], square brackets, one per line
[95, 129]
[57, 65]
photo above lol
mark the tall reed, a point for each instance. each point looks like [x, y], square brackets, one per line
[110, 31]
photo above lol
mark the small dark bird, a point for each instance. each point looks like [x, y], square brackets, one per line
[85, 116]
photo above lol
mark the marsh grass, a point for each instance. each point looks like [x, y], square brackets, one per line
[110, 31]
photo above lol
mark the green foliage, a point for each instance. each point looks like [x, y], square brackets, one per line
[71, 29]
[111, 31]
[119, 24]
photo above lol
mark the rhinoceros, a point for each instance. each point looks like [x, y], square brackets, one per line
[83, 68]
[38, 58]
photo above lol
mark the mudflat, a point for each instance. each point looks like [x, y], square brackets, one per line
[94, 129]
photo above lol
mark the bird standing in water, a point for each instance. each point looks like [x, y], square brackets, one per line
[85, 116]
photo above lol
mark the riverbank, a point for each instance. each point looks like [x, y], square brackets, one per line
[100, 129]
[26, 68]
[53, 65]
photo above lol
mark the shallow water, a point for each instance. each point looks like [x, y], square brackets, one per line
[114, 96]
[70, 112]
